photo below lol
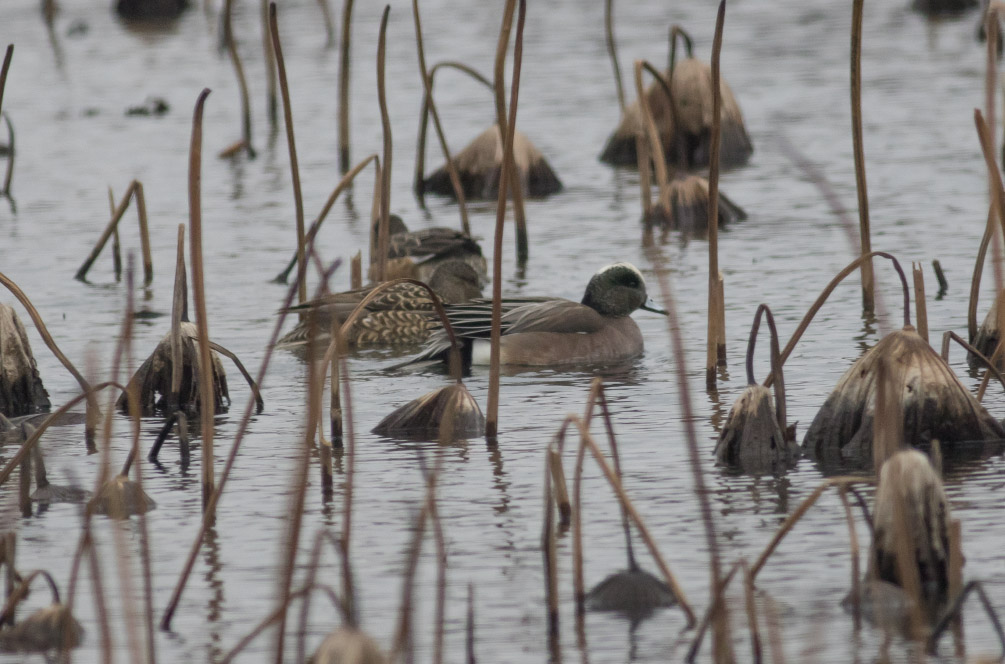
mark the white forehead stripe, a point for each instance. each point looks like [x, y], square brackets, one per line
[628, 266]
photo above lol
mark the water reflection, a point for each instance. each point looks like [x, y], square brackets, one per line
[216, 602]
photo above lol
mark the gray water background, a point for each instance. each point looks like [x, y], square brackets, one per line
[787, 62]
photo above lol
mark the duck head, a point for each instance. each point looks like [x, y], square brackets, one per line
[617, 290]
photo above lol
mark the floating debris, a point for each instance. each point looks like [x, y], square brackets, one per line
[755, 437]
[153, 378]
[348, 645]
[21, 390]
[478, 166]
[120, 498]
[50, 628]
[447, 413]
[936, 405]
[910, 498]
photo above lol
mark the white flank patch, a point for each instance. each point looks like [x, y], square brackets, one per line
[481, 351]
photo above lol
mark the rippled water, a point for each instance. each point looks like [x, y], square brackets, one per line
[787, 63]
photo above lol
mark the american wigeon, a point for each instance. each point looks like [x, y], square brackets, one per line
[555, 331]
[400, 316]
[417, 254]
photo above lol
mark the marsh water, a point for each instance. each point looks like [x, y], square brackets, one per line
[787, 62]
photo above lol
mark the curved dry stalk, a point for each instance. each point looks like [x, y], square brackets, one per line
[713, 608]
[868, 294]
[29, 443]
[179, 313]
[655, 145]
[135, 190]
[383, 238]
[11, 152]
[988, 364]
[997, 203]
[8, 54]
[312, 569]
[954, 609]
[776, 365]
[298, 198]
[259, 403]
[429, 108]
[343, 87]
[586, 442]
[206, 397]
[271, 103]
[505, 125]
[312, 232]
[675, 32]
[819, 302]
[21, 592]
[93, 412]
[612, 51]
[507, 178]
[242, 85]
[715, 346]
[800, 511]
[210, 511]
[975, 280]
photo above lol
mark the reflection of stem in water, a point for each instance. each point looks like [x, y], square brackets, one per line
[214, 608]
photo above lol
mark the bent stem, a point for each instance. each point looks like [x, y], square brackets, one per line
[715, 345]
[776, 365]
[135, 190]
[851, 267]
[228, 33]
[612, 51]
[383, 239]
[868, 294]
[429, 108]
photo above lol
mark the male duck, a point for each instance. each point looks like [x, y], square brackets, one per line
[539, 331]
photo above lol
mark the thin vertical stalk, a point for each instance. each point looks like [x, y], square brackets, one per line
[549, 550]
[207, 405]
[348, 584]
[430, 105]
[492, 414]
[271, 103]
[179, 313]
[385, 173]
[715, 355]
[612, 51]
[4, 69]
[920, 306]
[868, 295]
[343, 88]
[228, 32]
[751, 605]
[294, 168]
[516, 186]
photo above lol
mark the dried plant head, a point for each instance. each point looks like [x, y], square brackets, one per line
[153, 378]
[633, 592]
[910, 498]
[21, 390]
[447, 413]
[120, 498]
[478, 166]
[348, 645]
[755, 437]
[935, 405]
[49, 628]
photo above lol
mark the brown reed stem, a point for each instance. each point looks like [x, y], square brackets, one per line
[207, 407]
[288, 553]
[343, 88]
[242, 85]
[586, 441]
[856, 592]
[715, 355]
[271, 103]
[776, 366]
[953, 613]
[93, 412]
[383, 237]
[11, 152]
[718, 597]
[135, 189]
[429, 108]
[506, 179]
[920, 306]
[259, 403]
[612, 51]
[505, 125]
[312, 232]
[298, 199]
[975, 280]
[350, 615]
[799, 512]
[988, 364]
[684, 390]
[266, 623]
[868, 296]
[829, 288]
[655, 146]
[549, 550]
[751, 606]
[312, 571]
[210, 511]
